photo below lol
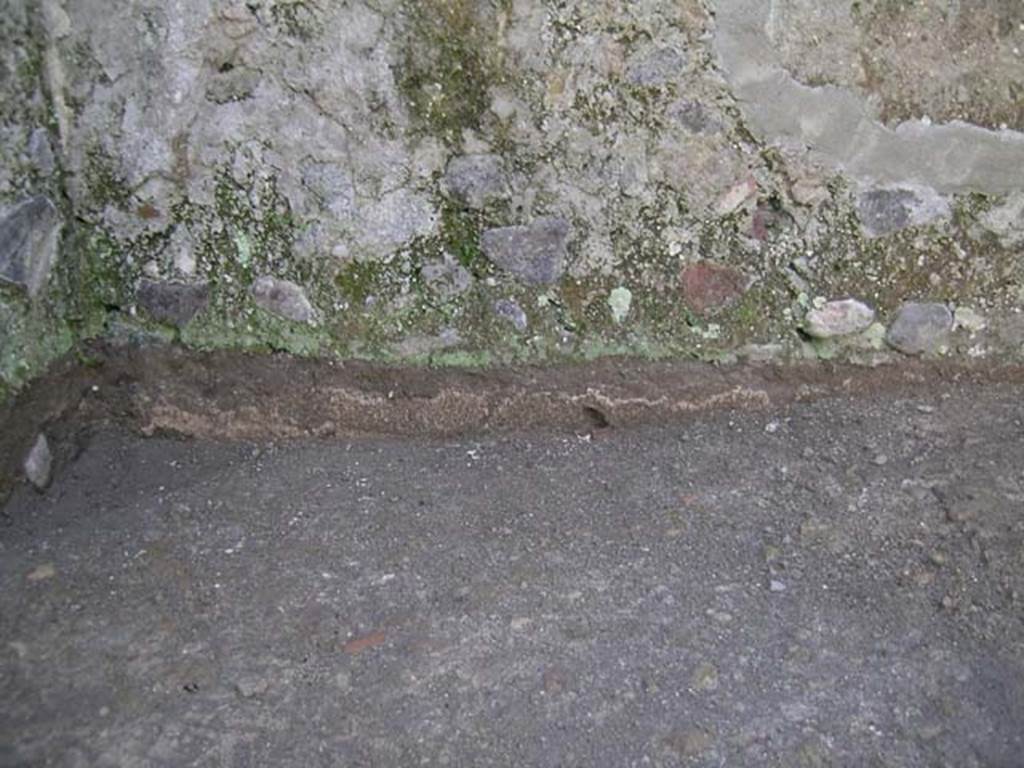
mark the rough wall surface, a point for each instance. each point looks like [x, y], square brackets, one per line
[491, 181]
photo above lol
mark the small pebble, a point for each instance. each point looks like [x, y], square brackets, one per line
[43, 572]
[251, 688]
[776, 586]
[705, 677]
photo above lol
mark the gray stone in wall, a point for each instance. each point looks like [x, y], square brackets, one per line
[476, 179]
[656, 67]
[419, 345]
[283, 298]
[172, 303]
[234, 85]
[534, 252]
[920, 329]
[332, 187]
[1006, 221]
[41, 151]
[884, 211]
[396, 218]
[29, 238]
[448, 278]
[693, 116]
[183, 251]
[1009, 331]
[511, 311]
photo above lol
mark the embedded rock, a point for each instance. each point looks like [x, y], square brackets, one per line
[693, 116]
[1009, 332]
[331, 188]
[920, 328]
[1006, 221]
[283, 298]
[172, 303]
[29, 237]
[234, 84]
[619, 302]
[476, 179]
[448, 278]
[396, 218]
[41, 151]
[884, 211]
[839, 318]
[535, 252]
[736, 197]
[512, 312]
[656, 68]
[707, 286]
[969, 320]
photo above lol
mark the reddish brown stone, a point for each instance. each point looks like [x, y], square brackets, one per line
[707, 286]
[147, 211]
[360, 644]
[556, 680]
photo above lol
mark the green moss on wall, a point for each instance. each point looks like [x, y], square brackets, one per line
[296, 18]
[450, 60]
[104, 183]
[33, 337]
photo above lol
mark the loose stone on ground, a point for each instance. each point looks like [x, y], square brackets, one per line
[39, 463]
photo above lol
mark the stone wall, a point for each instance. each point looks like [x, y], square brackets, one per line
[480, 182]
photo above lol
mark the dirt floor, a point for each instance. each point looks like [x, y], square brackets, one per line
[828, 583]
